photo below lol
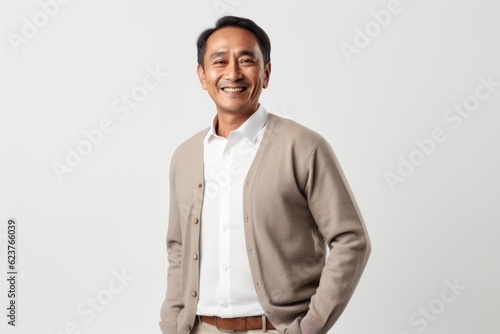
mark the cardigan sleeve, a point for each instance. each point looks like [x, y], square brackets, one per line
[339, 221]
[172, 304]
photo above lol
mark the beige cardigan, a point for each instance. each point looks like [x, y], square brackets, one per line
[296, 201]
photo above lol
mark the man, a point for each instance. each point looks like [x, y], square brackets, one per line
[254, 202]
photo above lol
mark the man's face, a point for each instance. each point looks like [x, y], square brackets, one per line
[234, 73]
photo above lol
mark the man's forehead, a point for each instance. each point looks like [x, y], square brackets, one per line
[228, 38]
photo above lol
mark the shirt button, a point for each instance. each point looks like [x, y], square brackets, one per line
[224, 267]
[194, 294]
[195, 256]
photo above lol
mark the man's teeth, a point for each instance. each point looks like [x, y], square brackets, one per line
[235, 89]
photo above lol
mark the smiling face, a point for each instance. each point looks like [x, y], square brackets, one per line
[234, 73]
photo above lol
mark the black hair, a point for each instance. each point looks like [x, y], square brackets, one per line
[239, 22]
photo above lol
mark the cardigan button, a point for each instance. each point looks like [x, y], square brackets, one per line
[188, 327]
[195, 256]
[194, 294]
[196, 220]
[200, 185]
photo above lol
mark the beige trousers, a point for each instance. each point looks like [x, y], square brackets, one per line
[204, 328]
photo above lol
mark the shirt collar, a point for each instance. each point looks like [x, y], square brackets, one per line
[250, 128]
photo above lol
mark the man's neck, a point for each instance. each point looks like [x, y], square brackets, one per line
[227, 122]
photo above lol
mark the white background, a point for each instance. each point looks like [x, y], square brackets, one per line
[110, 212]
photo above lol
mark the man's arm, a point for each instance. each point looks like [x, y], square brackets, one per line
[173, 302]
[339, 221]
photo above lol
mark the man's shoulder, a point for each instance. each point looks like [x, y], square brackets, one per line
[190, 146]
[292, 131]
[195, 139]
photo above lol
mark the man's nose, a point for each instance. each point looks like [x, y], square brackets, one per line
[233, 71]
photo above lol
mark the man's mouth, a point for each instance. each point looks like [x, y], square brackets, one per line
[233, 89]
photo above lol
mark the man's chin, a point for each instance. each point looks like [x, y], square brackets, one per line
[235, 109]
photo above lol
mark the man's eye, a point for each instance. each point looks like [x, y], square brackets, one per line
[219, 62]
[247, 61]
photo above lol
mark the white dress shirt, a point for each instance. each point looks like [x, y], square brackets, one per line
[226, 285]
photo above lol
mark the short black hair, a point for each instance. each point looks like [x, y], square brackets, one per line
[238, 22]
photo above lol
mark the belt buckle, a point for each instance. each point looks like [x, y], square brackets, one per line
[222, 329]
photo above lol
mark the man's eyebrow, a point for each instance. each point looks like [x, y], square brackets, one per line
[217, 54]
[241, 53]
[247, 53]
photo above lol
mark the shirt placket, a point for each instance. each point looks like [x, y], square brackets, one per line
[224, 231]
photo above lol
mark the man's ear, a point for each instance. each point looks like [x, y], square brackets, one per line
[201, 76]
[267, 72]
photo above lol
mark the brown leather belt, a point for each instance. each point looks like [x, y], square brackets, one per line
[238, 324]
